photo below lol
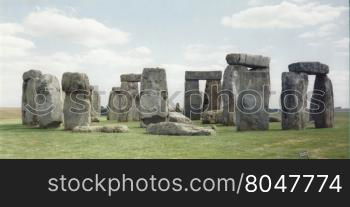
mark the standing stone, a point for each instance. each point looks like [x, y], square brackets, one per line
[193, 100]
[294, 100]
[29, 105]
[322, 102]
[253, 100]
[113, 104]
[50, 104]
[154, 96]
[229, 91]
[211, 98]
[95, 104]
[77, 106]
[178, 108]
[132, 100]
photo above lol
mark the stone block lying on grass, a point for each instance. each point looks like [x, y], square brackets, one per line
[212, 117]
[179, 129]
[179, 118]
[104, 129]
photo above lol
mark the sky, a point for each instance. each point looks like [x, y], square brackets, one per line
[105, 38]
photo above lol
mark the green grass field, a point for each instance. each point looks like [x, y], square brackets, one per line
[17, 141]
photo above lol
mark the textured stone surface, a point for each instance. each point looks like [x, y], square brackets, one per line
[294, 100]
[212, 117]
[253, 100]
[311, 68]
[322, 103]
[154, 96]
[203, 75]
[95, 104]
[252, 61]
[133, 100]
[179, 129]
[192, 100]
[212, 100]
[229, 92]
[74, 82]
[178, 117]
[178, 108]
[118, 107]
[77, 106]
[29, 105]
[50, 105]
[130, 78]
[104, 129]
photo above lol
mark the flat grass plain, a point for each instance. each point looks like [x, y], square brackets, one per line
[18, 141]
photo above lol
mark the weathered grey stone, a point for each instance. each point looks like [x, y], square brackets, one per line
[95, 104]
[50, 105]
[212, 117]
[212, 100]
[311, 68]
[203, 75]
[322, 103]
[29, 105]
[179, 129]
[132, 99]
[77, 106]
[252, 61]
[253, 100]
[154, 96]
[294, 100]
[118, 105]
[75, 82]
[178, 108]
[229, 91]
[178, 117]
[130, 78]
[104, 129]
[274, 119]
[192, 100]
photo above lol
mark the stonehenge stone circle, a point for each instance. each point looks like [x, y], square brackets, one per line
[153, 96]
[29, 105]
[77, 106]
[95, 104]
[113, 104]
[251, 61]
[50, 103]
[311, 68]
[253, 91]
[133, 99]
[294, 100]
[130, 78]
[178, 129]
[193, 103]
[323, 92]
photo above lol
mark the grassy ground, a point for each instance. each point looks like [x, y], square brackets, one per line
[17, 141]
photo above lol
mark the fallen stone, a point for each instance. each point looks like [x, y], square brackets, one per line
[50, 105]
[203, 75]
[247, 60]
[179, 129]
[274, 119]
[322, 102]
[311, 68]
[130, 78]
[294, 100]
[179, 118]
[212, 117]
[154, 96]
[103, 129]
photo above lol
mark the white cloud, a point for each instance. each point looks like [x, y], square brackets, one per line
[284, 15]
[323, 31]
[342, 43]
[84, 31]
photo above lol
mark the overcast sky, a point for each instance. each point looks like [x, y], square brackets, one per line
[105, 39]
